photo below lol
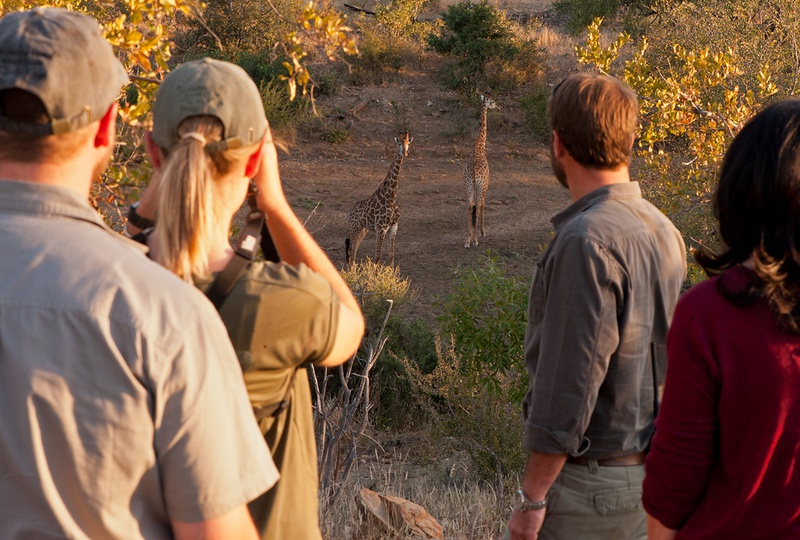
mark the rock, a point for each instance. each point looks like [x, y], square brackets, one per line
[383, 515]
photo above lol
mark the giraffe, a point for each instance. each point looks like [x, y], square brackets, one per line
[379, 213]
[476, 178]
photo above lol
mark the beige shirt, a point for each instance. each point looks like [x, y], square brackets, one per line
[122, 401]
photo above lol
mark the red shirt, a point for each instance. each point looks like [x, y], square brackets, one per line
[725, 460]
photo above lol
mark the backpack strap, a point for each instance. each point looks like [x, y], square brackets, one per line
[245, 250]
[253, 235]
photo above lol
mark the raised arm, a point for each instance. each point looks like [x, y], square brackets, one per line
[295, 245]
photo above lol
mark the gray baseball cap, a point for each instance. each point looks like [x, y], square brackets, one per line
[60, 57]
[210, 87]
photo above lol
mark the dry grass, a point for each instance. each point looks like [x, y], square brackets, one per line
[466, 508]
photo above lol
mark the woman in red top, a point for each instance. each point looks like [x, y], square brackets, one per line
[725, 460]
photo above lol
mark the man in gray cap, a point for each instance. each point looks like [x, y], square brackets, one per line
[124, 414]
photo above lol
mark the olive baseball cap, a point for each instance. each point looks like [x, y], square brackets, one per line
[60, 57]
[210, 87]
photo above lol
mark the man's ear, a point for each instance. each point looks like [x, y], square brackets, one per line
[153, 150]
[107, 130]
[254, 161]
[558, 147]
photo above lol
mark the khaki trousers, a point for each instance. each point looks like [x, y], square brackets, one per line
[588, 502]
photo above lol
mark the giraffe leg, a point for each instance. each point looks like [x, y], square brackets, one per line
[356, 238]
[379, 244]
[481, 211]
[470, 225]
[392, 236]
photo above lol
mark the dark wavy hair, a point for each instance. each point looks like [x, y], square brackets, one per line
[757, 205]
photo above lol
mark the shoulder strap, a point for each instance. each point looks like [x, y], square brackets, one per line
[245, 252]
[253, 235]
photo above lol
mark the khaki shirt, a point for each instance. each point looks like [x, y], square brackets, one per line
[280, 317]
[122, 401]
[604, 291]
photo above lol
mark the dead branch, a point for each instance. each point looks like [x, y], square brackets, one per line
[343, 420]
[359, 9]
[357, 109]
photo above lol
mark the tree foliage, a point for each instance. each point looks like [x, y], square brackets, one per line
[478, 36]
[141, 33]
[692, 104]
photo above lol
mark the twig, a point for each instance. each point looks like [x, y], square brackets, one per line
[145, 79]
[702, 245]
[357, 8]
[199, 16]
[311, 214]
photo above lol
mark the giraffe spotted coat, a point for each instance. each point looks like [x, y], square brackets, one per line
[379, 213]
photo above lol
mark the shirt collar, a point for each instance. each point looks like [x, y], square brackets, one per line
[623, 190]
[54, 201]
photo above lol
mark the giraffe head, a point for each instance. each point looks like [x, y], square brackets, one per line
[403, 143]
[488, 102]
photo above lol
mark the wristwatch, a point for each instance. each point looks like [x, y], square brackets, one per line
[524, 504]
[139, 221]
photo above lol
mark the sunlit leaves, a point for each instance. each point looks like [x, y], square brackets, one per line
[314, 28]
[689, 111]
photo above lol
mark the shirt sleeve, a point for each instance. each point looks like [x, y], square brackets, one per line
[576, 335]
[683, 449]
[282, 316]
[211, 455]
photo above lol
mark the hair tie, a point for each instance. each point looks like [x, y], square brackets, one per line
[194, 135]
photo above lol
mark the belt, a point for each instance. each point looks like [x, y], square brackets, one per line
[622, 461]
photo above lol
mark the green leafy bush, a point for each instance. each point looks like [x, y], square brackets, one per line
[488, 424]
[485, 48]
[534, 108]
[399, 17]
[486, 316]
[382, 56]
[399, 405]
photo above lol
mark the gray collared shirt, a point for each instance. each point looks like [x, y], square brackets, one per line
[602, 296]
[123, 406]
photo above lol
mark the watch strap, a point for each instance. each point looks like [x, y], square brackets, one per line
[526, 505]
[138, 221]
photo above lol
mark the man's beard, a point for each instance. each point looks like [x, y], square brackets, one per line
[558, 170]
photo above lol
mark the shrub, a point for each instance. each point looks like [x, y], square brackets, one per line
[580, 13]
[375, 284]
[399, 17]
[382, 56]
[478, 36]
[282, 112]
[336, 136]
[486, 316]
[693, 101]
[488, 424]
[398, 405]
[534, 109]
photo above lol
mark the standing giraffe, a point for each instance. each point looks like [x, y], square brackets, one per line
[476, 177]
[379, 213]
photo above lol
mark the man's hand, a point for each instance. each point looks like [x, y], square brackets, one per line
[526, 525]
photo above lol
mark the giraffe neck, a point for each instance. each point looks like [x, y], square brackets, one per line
[388, 188]
[480, 144]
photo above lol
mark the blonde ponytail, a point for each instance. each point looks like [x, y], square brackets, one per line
[188, 197]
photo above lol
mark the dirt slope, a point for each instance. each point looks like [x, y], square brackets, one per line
[324, 181]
